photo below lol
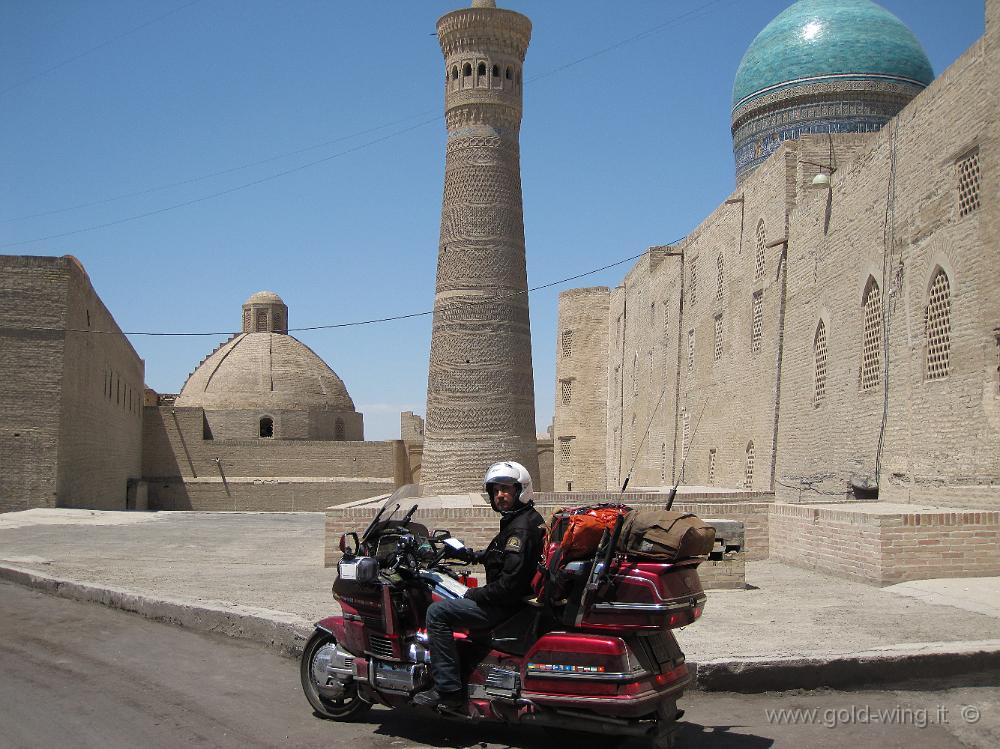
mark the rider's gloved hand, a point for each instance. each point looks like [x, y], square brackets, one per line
[465, 554]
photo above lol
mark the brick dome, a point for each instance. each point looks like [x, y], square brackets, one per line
[265, 371]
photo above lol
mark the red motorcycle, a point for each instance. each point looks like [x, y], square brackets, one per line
[593, 652]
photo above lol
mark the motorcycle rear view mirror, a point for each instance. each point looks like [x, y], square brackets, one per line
[440, 534]
[349, 544]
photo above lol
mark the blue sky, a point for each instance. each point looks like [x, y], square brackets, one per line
[623, 146]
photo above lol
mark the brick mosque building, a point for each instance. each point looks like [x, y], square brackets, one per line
[831, 331]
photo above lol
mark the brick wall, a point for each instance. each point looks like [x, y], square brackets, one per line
[187, 471]
[32, 319]
[878, 546]
[942, 436]
[298, 424]
[100, 444]
[72, 396]
[579, 427]
[477, 526]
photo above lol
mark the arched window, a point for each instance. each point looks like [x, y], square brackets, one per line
[749, 477]
[467, 69]
[871, 351]
[338, 429]
[819, 360]
[267, 427]
[720, 266]
[761, 242]
[938, 326]
[481, 69]
[507, 75]
[496, 71]
[454, 72]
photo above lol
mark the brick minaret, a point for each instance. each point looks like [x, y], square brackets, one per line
[480, 387]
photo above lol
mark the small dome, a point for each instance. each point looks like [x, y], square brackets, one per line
[814, 40]
[264, 297]
[266, 372]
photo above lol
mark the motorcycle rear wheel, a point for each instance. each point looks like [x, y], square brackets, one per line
[348, 707]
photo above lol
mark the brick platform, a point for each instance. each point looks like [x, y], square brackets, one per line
[883, 544]
[468, 518]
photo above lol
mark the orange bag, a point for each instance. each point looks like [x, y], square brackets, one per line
[583, 532]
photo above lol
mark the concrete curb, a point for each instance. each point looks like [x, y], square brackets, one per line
[283, 632]
[287, 634]
[888, 665]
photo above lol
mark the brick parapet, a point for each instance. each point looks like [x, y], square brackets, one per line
[883, 548]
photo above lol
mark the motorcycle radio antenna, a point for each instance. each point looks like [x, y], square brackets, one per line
[684, 459]
[649, 425]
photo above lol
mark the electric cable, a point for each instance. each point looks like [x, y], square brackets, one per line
[102, 45]
[443, 309]
[630, 40]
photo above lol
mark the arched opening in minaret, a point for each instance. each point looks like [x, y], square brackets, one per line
[481, 69]
[467, 69]
[508, 75]
[496, 71]
[454, 72]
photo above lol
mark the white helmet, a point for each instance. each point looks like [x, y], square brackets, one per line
[509, 472]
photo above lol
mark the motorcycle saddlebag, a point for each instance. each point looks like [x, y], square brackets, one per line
[665, 536]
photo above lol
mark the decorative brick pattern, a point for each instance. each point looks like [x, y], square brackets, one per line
[748, 481]
[871, 352]
[938, 327]
[717, 345]
[756, 321]
[567, 343]
[968, 183]
[479, 408]
[758, 270]
[819, 364]
[720, 266]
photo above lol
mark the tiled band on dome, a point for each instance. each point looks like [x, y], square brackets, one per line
[839, 106]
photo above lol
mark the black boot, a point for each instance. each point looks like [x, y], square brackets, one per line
[434, 698]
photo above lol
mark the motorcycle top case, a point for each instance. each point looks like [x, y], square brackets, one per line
[639, 597]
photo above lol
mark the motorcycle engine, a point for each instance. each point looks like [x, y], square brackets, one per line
[404, 678]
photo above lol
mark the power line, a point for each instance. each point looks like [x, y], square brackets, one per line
[624, 42]
[357, 323]
[220, 173]
[102, 45]
[630, 40]
[220, 193]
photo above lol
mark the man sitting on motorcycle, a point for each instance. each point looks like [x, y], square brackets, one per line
[511, 560]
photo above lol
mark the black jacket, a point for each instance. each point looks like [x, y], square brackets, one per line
[511, 560]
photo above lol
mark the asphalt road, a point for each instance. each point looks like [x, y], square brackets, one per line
[80, 675]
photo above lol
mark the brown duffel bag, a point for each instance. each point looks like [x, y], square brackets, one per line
[665, 536]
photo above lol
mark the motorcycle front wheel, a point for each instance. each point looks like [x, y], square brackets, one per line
[349, 706]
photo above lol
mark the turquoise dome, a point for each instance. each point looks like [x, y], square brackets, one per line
[822, 40]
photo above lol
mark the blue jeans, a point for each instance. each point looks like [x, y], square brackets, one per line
[443, 618]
